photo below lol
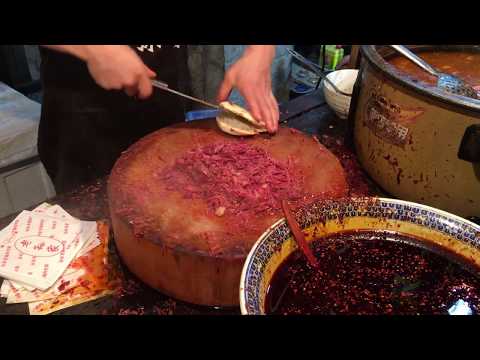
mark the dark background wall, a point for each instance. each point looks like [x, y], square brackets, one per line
[20, 69]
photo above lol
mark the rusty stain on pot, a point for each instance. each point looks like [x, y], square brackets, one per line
[399, 175]
[419, 180]
[387, 120]
[393, 162]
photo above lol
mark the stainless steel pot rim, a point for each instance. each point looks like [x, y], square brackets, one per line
[375, 59]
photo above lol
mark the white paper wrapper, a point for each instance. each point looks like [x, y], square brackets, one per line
[38, 248]
[33, 307]
[95, 283]
[40, 209]
[23, 294]
[20, 286]
[26, 293]
[17, 292]
[64, 283]
[57, 212]
[91, 244]
[5, 288]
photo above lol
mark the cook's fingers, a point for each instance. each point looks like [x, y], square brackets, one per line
[144, 87]
[254, 107]
[131, 90]
[150, 73]
[275, 113]
[267, 117]
[263, 103]
[225, 89]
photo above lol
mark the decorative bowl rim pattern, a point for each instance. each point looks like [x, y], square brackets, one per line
[435, 218]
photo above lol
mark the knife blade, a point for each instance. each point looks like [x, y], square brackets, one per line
[163, 86]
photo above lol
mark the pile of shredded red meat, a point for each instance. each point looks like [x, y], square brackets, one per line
[234, 178]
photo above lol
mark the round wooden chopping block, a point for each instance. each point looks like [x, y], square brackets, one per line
[174, 244]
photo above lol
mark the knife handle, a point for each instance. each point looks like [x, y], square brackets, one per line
[201, 115]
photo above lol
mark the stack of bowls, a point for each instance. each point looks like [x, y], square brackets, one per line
[344, 80]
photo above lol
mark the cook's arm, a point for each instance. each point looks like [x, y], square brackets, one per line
[113, 67]
[79, 51]
[251, 75]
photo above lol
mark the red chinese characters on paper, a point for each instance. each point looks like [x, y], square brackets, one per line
[76, 241]
[53, 248]
[39, 246]
[45, 271]
[25, 243]
[40, 227]
[15, 227]
[5, 257]
[62, 252]
[29, 224]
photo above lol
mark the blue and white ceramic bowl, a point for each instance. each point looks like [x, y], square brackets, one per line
[429, 224]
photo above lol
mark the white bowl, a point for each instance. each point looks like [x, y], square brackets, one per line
[344, 81]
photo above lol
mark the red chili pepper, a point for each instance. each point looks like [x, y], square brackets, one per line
[298, 234]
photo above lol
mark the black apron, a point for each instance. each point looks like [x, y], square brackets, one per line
[84, 128]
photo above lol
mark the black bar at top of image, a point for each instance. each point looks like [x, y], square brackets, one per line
[229, 23]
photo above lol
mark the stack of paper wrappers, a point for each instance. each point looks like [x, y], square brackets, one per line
[52, 260]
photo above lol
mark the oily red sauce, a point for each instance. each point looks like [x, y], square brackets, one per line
[365, 272]
[464, 65]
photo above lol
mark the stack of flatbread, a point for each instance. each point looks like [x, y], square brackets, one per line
[235, 120]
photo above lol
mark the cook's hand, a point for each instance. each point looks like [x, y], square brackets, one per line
[251, 75]
[119, 67]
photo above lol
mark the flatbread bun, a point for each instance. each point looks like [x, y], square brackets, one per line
[240, 111]
[237, 121]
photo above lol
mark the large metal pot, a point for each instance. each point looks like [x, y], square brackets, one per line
[419, 144]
